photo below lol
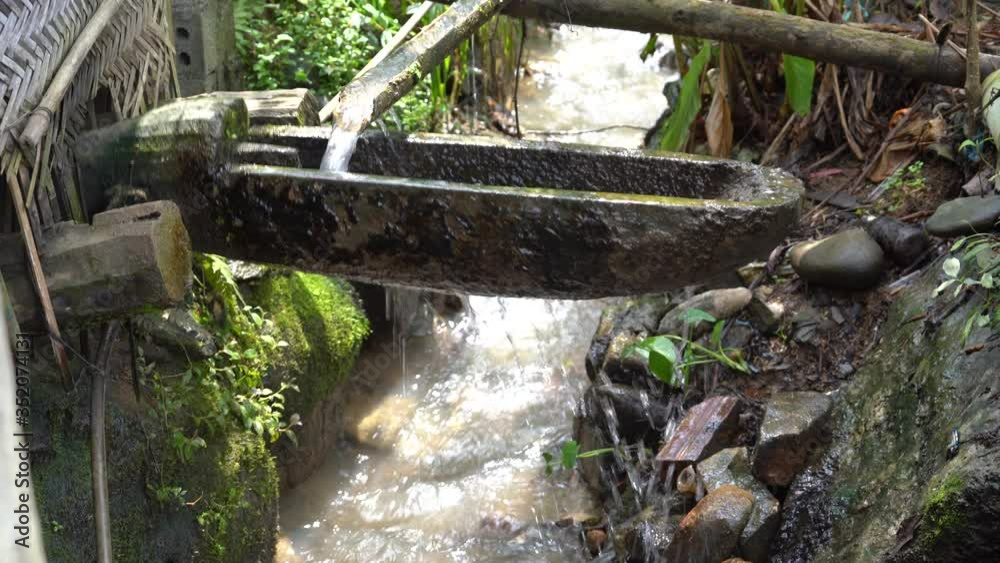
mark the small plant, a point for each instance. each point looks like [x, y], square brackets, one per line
[901, 185]
[976, 268]
[660, 352]
[55, 526]
[169, 495]
[570, 454]
[227, 388]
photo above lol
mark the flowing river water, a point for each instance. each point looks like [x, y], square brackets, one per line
[446, 465]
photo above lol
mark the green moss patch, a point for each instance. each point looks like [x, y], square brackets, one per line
[322, 322]
[232, 489]
[943, 513]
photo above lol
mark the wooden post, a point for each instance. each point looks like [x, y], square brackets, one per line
[130, 259]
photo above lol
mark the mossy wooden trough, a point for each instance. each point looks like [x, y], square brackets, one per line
[469, 214]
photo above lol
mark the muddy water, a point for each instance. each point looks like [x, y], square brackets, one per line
[447, 464]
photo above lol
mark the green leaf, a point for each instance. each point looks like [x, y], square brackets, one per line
[951, 267]
[662, 366]
[799, 76]
[717, 334]
[987, 281]
[944, 285]
[569, 454]
[678, 125]
[695, 316]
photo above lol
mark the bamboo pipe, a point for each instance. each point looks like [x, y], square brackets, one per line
[40, 118]
[98, 450]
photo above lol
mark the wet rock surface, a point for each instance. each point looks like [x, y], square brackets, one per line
[890, 487]
[720, 303]
[640, 415]
[711, 531]
[177, 330]
[791, 431]
[964, 216]
[732, 467]
[849, 260]
[707, 427]
[904, 243]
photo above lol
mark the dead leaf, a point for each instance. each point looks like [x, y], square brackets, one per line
[719, 121]
[918, 134]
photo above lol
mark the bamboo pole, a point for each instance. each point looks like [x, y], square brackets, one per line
[398, 39]
[38, 275]
[40, 118]
[370, 94]
[842, 44]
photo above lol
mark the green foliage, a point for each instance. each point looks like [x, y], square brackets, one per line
[799, 76]
[321, 45]
[800, 73]
[678, 126]
[211, 395]
[661, 355]
[975, 266]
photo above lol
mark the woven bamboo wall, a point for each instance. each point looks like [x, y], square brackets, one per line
[133, 59]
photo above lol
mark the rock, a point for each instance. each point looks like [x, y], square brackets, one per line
[886, 489]
[707, 427]
[620, 368]
[732, 467]
[639, 416]
[595, 540]
[646, 536]
[808, 323]
[964, 216]
[246, 271]
[904, 243]
[636, 317]
[720, 303]
[749, 273]
[590, 437]
[978, 185]
[738, 336]
[792, 429]
[846, 260]
[177, 329]
[711, 531]
[764, 315]
[687, 481]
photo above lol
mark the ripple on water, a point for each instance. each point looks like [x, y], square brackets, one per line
[449, 468]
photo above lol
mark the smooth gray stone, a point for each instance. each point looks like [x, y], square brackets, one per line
[849, 260]
[965, 216]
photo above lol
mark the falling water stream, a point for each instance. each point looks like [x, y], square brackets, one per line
[445, 463]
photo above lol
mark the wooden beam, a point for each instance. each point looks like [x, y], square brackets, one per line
[842, 44]
[130, 259]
